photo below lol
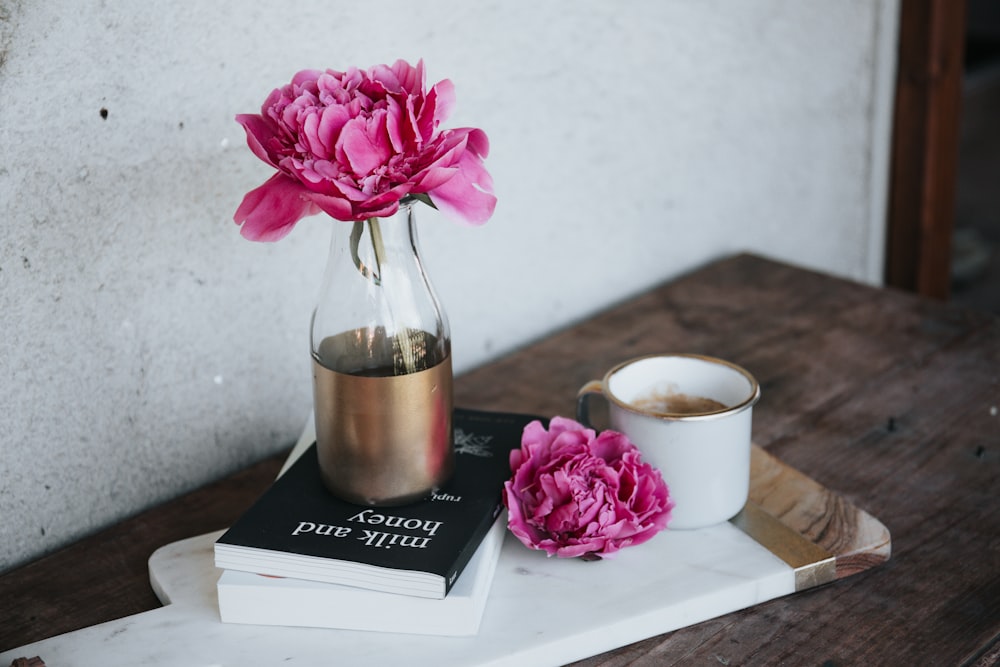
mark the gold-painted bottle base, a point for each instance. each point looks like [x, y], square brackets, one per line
[382, 439]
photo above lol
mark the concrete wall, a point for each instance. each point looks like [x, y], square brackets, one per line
[146, 348]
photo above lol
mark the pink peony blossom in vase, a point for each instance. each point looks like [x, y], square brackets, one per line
[354, 143]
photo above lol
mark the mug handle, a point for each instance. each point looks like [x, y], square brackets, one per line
[583, 401]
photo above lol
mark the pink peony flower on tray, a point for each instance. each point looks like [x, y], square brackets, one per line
[354, 143]
[577, 494]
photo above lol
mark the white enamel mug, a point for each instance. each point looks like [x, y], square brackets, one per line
[703, 455]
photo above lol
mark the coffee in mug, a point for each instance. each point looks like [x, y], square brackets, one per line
[673, 403]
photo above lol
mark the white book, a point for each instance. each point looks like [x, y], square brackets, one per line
[245, 597]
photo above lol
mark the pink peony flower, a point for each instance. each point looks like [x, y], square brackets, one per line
[354, 143]
[573, 494]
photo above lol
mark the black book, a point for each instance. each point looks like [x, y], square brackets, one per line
[299, 529]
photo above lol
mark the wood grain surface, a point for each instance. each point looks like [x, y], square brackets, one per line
[857, 540]
[886, 399]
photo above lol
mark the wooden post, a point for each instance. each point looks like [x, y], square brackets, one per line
[925, 146]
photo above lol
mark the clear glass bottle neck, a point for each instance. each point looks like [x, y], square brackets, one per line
[377, 299]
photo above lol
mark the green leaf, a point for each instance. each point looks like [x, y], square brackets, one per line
[425, 198]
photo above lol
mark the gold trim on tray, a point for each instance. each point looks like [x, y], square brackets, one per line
[813, 565]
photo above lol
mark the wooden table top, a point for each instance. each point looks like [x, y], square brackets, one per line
[890, 400]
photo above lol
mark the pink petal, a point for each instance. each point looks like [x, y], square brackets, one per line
[467, 196]
[365, 148]
[579, 549]
[387, 77]
[344, 188]
[307, 76]
[611, 445]
[331, 122]
[432, 178]
[438, 105]
[393, 125]
[533, 432]
[269, 212]
[259, 132]
[479, 143]
[310, 131]
[411, 79]
[387, 198]
[365, 210]
[445, 151]
[336, 207]
[409, 127]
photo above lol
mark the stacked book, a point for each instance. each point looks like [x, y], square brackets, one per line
[301, 557]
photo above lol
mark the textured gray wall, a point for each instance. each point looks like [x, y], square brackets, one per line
[146, 348]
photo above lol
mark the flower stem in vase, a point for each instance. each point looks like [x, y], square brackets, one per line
[405, 346]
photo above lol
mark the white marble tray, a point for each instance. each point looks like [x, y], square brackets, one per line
[541, 611]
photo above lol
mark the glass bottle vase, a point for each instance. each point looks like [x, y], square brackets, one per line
[382, 376]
